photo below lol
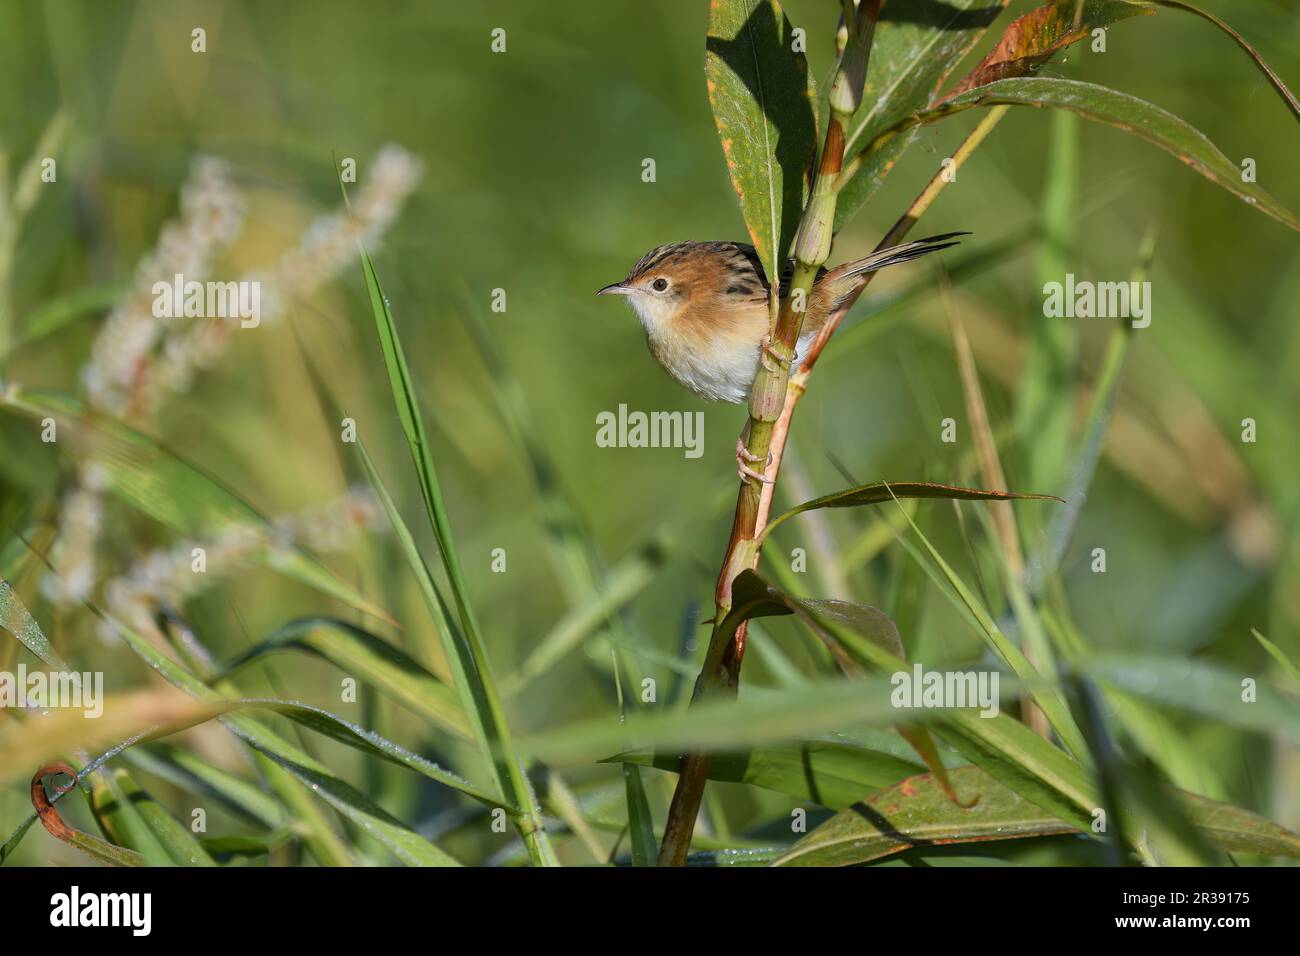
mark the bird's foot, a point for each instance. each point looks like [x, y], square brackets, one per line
[744, 459]
[770, 357]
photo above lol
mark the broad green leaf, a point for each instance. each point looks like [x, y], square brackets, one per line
[464, 645]
[1239, 831]
[362, 654]
[827, 772]
[762, 99]
[880, 492]
[916, 46]
[174, 492]
[132, 818]
[15, 619]
[916, 813]
[1124, 112]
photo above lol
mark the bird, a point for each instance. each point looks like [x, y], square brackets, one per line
[705, 311]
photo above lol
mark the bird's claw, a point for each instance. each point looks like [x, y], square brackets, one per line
[744, 458]
[770, 357]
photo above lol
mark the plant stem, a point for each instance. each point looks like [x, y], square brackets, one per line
[767, 402]
[721, 668]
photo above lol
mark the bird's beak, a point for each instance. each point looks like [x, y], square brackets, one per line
[616, 288]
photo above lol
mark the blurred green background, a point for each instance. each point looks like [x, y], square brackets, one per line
[532, 184]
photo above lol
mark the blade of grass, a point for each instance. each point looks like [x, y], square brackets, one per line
[478, 694]
[640, 825]
[132, 818]
[360, 652]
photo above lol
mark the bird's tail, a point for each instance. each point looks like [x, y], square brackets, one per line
[904, 252]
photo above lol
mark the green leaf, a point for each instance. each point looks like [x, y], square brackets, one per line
[718, 724]
[361, 653]
[403, 842]
[15, 619]
[1276, 81]
[1007, 749]
[1202, 688]
[190, 772]
[160, 484]
[916, 813]
[55, 314]
[132, 818]
[915, 48]
[640, 824]
[762, 99]
[1124, 112]
[464, 645]
[1239, 831]
[880, 492]
[1278, 655]
[827, 772]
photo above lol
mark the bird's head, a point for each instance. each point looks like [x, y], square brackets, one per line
[684, 275]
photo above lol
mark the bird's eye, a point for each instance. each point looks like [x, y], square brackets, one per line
[660, 284]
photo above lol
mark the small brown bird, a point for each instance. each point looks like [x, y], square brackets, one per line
[704, 307]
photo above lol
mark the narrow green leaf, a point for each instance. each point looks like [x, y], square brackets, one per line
[1125, 112]
[58, 312]
[132, 818]
[191, 772]
[640, 825]
[1276, 81]
[880, 492]
[724, 724]
[1278, 655]
[1202, 688]
[464, 645]
[404, 843]
[361, 653]
[15, 619]
[762, 99]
